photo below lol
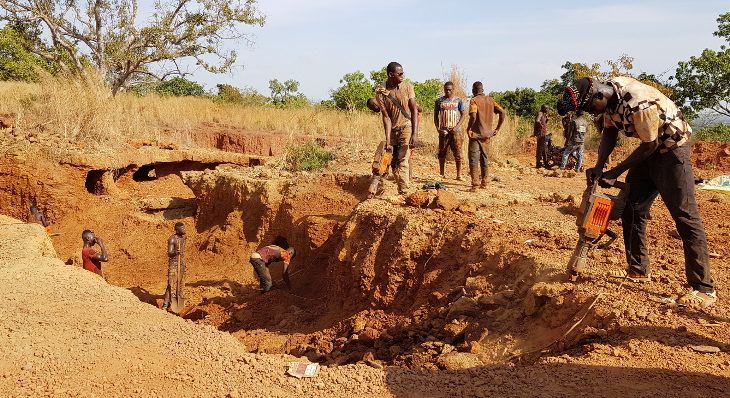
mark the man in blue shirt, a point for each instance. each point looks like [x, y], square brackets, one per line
[448, 115]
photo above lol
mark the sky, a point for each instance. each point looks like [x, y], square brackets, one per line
[505, 44]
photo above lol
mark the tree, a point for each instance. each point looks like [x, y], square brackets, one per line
[355, 89]
[428, 92]
[122, 50]
[703, 82]
[180, 87]
[17, 63]
[285, 94]
[248, 96]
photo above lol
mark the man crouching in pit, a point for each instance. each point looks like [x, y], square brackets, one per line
[660, 165]
[265, 256]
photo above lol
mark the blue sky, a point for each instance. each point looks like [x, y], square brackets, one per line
[505, 44]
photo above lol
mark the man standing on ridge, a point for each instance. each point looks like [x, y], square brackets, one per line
[540, 131]
[448, 115]
[397, 102]
[480, 129]
[91, 260]
[660, 165]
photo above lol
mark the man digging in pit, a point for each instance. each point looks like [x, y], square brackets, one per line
[175, 266]
[264, 257]
[660, 165]
[540, 131]
[448, 115]
[91, 260]
[480, 129]
[397, 102]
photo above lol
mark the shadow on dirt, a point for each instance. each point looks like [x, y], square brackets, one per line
[553, 380]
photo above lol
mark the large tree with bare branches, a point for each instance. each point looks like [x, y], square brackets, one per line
[126, 47]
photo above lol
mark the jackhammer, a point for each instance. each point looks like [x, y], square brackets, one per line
[596, 210]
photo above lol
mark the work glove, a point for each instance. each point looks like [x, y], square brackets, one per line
[593, 174]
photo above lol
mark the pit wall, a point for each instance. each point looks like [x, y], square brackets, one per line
[376, 275]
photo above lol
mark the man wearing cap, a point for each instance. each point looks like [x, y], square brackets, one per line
[660, 165]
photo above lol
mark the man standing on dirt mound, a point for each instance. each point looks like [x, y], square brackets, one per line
[397, 102]
[91, 260]
[448, 115]
[660, 165]
[265, 256]
[175, 266]
[480, 129]
[540, 131]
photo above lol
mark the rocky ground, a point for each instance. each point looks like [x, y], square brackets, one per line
[454, 294]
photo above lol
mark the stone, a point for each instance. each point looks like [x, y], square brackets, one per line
[446, 200]
[454, 331]
[368, 335]
[419, 199]
[358, 324]
[705, 348]
[458, 360]
[467, 207]
[463, 306]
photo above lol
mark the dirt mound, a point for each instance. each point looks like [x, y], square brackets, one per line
[711, 155]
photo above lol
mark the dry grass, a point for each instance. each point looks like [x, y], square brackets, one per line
[66, 113]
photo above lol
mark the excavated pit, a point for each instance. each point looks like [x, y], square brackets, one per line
[438, 285]
[371, 281]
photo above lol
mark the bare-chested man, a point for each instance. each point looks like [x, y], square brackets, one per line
[175, 265]
[91, 260]
[37, 216]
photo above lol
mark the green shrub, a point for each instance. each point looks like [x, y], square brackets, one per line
[715, 132]
[179, 87]
[308, 157]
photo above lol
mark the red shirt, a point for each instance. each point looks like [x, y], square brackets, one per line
[89, 263]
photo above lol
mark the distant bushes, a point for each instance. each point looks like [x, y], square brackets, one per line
[715, 132]
[308, 157]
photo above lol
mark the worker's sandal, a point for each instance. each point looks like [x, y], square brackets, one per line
[628, 275]
[696, 298]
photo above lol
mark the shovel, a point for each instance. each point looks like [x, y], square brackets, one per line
[177, 303]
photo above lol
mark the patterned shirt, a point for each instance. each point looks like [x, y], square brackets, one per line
[449, 111]
[645, 113]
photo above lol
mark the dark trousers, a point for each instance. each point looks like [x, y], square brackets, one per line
[478, 168]
[541, 154]
[172, 281]
[262, 271]
[670, 175]
[450, 141]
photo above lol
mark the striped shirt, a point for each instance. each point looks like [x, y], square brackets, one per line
[449, 111]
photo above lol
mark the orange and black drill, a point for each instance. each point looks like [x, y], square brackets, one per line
[596, 210]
